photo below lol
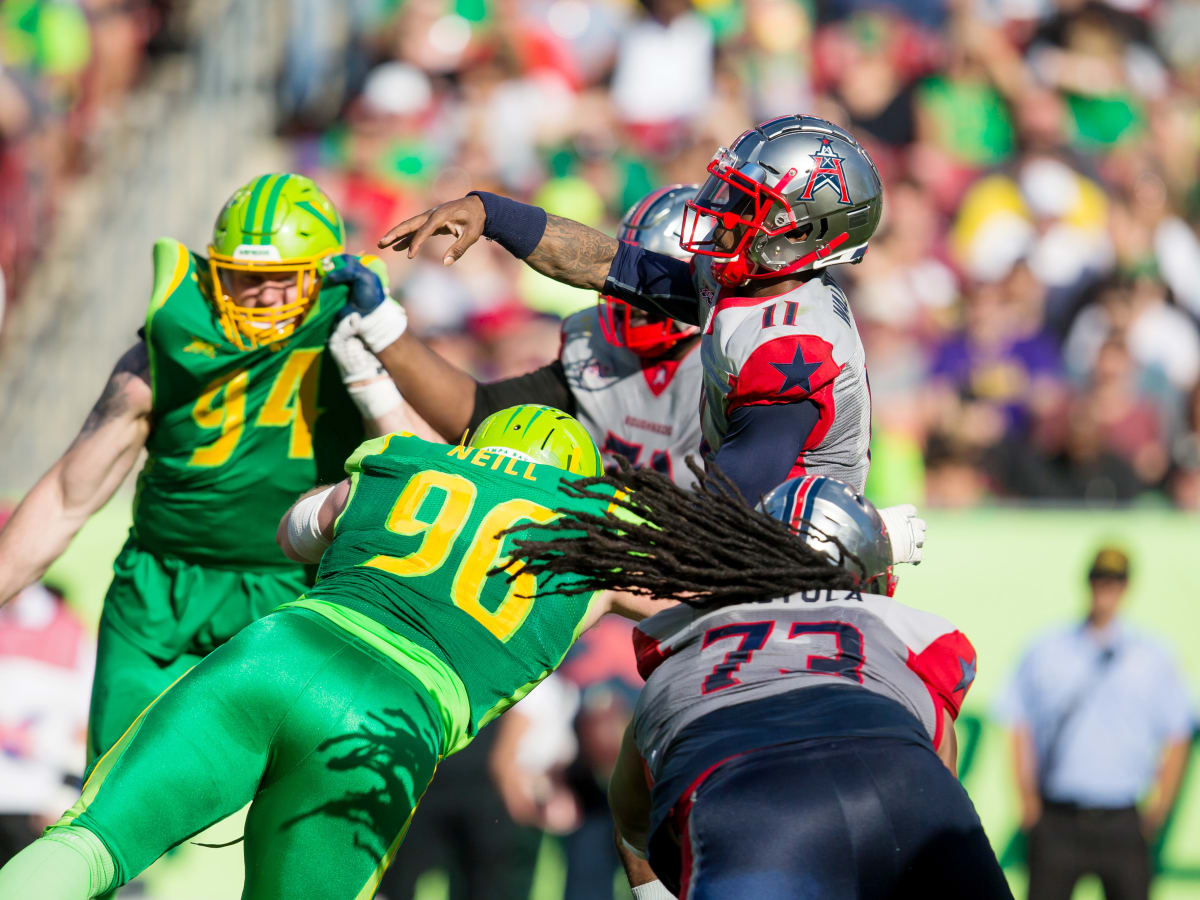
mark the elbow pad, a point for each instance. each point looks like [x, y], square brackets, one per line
[304, 527]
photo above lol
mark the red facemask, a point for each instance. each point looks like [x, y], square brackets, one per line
[649, 339]
[731, 201]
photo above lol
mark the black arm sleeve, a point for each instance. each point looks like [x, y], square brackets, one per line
[764, 443]
[653, 282]
[547, 385]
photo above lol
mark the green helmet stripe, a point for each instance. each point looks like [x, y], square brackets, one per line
[272, 201]
[516, 412]
[333, 228]
[252, 203]
[529, 424]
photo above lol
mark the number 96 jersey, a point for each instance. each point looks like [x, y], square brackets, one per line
[698, 661]
[413, 550]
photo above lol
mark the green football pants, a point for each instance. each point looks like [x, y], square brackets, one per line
[162, 616]
[331, 742]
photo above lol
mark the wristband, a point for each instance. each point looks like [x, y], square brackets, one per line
[652, 890]
[375, 399]
[515, 226]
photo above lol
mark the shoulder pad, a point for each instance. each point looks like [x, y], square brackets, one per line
[784, 369]
[947, 666]
[172, 261]
[394, 444]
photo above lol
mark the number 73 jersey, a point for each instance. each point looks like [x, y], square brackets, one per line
[413, 548]
[237, 434]
[698, 661]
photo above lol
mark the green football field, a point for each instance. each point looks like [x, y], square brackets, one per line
[1001, 575]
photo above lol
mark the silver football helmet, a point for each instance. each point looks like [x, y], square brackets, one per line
[655, 223]
[818, 508]
[795, 193]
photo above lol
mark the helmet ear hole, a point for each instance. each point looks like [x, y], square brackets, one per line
[801, 234]
[824, 228]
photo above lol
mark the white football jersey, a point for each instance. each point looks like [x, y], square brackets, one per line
[644, 411]
[802, 345]
[698, 661]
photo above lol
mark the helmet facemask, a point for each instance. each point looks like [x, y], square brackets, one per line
[649, 338]
[254, 326]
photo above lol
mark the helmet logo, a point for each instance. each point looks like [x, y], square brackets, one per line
[826, 172]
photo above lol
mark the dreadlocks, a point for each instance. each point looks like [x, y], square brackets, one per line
[704, 546]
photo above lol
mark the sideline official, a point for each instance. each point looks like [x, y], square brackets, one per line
[1101, 722]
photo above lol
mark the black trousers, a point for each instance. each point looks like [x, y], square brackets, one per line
[1069, 842]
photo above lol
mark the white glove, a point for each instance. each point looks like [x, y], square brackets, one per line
[906, 531]
[381, 326]
[354, 360]
[369, 386]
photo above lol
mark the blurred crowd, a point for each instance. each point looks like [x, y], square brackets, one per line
[1030, 303]
[65, 68]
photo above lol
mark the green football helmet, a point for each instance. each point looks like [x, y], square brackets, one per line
[540, 434]
[278, 224]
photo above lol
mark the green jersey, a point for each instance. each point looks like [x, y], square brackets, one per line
[237, 434]
[413, 548]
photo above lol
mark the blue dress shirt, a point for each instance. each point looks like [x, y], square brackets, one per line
[1129, 699]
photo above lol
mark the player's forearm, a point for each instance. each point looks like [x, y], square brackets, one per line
[637, 870]
[1025, 771]
[573, 254]
[438, 391]
[51, 514]
[1170, 777]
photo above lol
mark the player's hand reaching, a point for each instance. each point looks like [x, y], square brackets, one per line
[369, 314]
[906, 531]
[463, 218]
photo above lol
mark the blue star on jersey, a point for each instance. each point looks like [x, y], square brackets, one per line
[968, 674]
[797, 373]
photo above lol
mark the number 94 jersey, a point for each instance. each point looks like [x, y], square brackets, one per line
[237, 434]
[643, 410]
[698, 661]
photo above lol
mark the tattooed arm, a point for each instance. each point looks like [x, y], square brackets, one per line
[567, 251]
[82, 479]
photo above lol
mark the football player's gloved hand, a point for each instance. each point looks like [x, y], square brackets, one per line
[906, 531]
[374, 316]
[369, 386]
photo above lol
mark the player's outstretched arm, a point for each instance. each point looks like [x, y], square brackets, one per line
[559, 248]
[82, 479]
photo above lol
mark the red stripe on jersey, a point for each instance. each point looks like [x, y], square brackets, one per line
[649, 652]
[680, 814]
